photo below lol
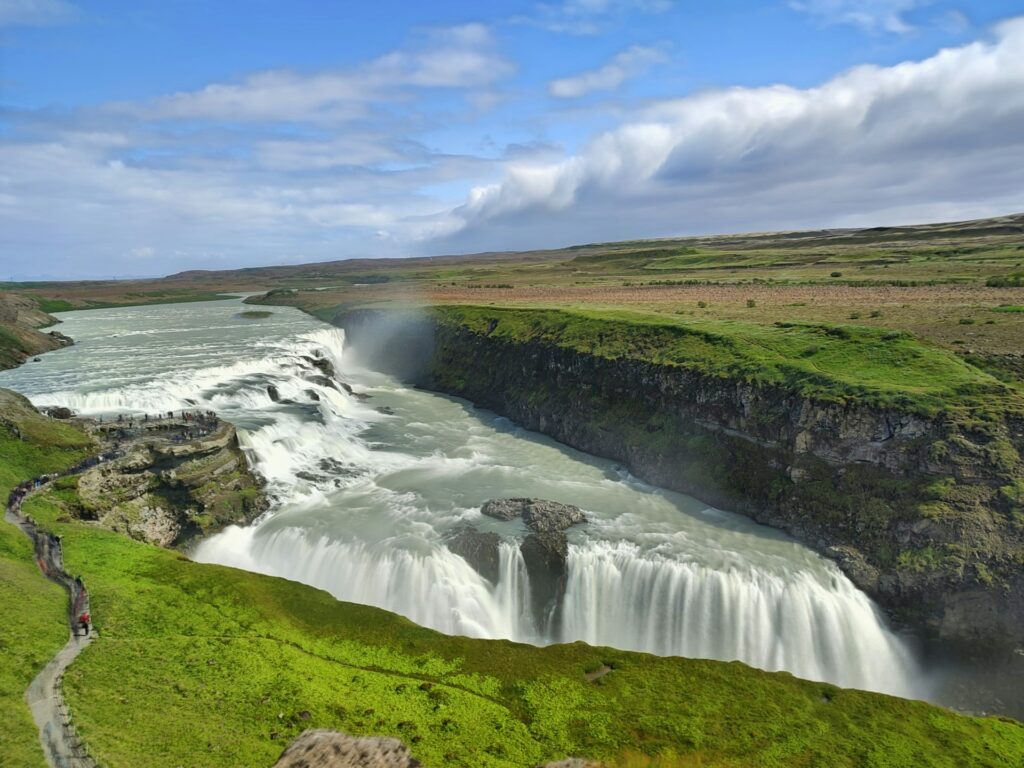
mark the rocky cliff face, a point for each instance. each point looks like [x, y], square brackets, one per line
[925, 514]
[20, 337]
[169, 493]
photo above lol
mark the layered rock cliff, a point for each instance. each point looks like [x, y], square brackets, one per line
[20, 334]
[169, 492]
[924, 512]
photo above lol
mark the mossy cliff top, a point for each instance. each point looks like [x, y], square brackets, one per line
[831, 363]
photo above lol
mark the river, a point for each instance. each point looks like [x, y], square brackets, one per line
[368, 486]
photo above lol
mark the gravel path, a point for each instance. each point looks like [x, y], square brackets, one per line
[60, 742]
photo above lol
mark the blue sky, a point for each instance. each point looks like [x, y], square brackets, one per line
[141, 138]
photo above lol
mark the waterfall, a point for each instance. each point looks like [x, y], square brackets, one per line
[794, 622]
[367, 491]
[432, 587]
[616, 595]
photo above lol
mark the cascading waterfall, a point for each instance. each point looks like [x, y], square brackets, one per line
[432, 586]
[821, 631]
[368, 489]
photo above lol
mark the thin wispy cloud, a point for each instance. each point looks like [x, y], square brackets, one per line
[461, 57]
[35, 12]
[871, 15]
[626, 65]
[588, 17]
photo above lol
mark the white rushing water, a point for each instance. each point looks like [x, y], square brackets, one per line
[367, 488]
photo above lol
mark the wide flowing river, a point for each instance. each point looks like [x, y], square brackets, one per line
[366, 491]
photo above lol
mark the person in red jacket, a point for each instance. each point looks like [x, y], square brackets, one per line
[83, 622]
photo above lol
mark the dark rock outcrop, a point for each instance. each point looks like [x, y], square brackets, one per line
[504, 509]
[479, 549]
[539, 514]
[323, 365]
[546, 558]
[58, 412]
[550, 516]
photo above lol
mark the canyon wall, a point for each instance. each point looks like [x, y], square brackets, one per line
[922, 512]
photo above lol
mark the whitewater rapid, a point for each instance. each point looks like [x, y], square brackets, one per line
[369, 479]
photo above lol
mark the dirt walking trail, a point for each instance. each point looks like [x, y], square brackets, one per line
[60, 742]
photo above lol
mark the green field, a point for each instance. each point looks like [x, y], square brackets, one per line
[888, 369]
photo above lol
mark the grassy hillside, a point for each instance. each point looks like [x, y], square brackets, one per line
[238, 663]
[35, 626]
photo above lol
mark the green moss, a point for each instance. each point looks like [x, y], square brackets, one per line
[832, 363]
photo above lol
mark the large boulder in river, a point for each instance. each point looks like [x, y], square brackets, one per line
[479, 549]
[545, 551]
[539, 515]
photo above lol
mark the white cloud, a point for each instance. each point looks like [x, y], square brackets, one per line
[871, 15]
[280, 166]
[624, 66]
[874, 143]
[460, 57]
[587, 17]
[35, 12]
[286, 167]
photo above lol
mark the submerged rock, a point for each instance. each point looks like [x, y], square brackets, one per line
[331, 749]
[323, 364]
[480, 550]
[273, 393]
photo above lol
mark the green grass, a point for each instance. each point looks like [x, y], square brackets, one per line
[827, 362]
[145, 298]
[232, 660]
[35, 626]
[54, 305]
